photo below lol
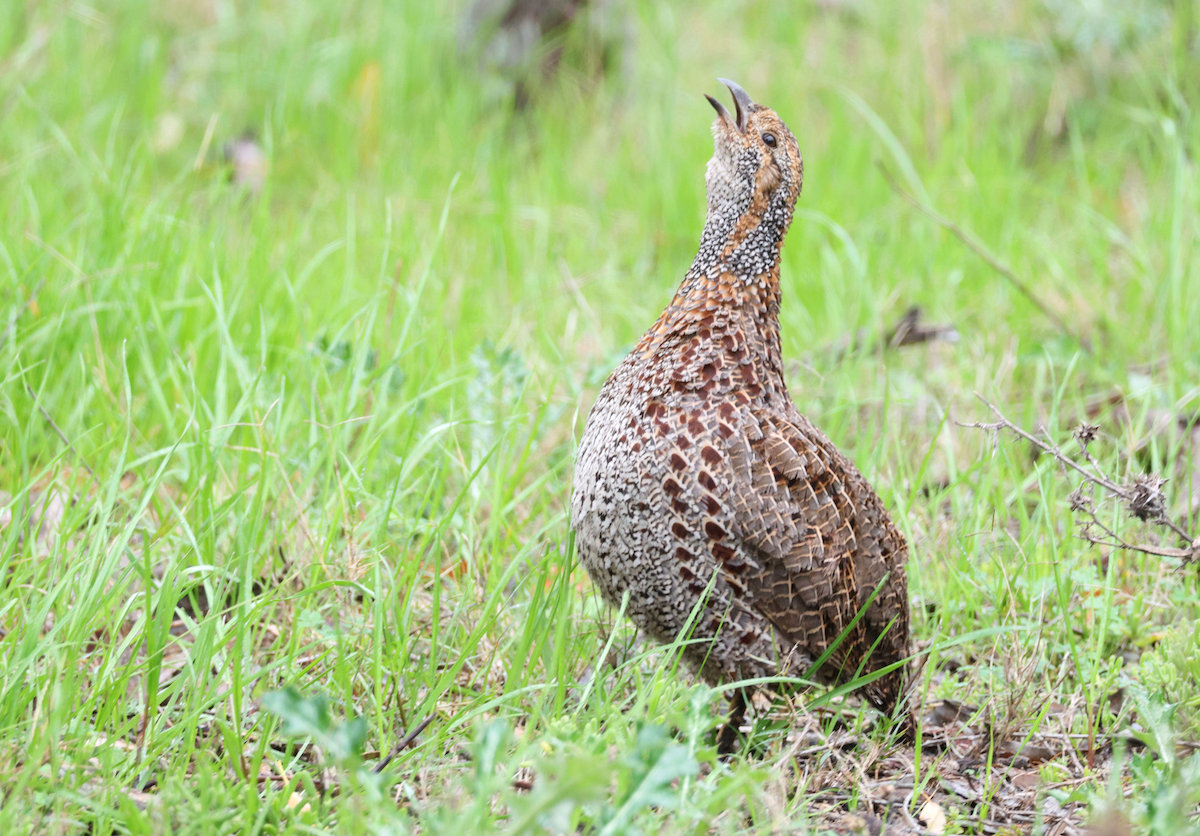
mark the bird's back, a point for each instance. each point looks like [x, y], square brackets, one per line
[694, 486]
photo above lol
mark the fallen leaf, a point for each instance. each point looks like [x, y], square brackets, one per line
[933, 817]
[1034, 752]
[945, 712]
[1026, 780]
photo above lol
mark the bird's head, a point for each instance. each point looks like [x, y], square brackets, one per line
[756, 161]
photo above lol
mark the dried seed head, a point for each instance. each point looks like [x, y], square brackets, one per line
[1086, 434]
[1147, 501]
[1079, 501]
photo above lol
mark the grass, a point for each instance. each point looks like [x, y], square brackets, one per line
[320, 437]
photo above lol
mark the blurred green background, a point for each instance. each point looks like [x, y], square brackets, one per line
[305, 303]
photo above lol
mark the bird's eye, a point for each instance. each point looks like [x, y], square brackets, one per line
[769, 139]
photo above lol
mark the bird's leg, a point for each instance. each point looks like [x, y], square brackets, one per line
[727, 740]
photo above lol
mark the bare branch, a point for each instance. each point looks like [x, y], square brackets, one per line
[1004, 424]
[1143, 497]
[1186, 555]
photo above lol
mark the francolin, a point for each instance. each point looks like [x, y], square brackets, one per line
[700, 486]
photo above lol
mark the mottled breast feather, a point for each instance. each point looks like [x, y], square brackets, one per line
[702, 492]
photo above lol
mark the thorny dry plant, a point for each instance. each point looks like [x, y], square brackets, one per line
[1143, 497]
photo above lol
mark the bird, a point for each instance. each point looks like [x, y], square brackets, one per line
[703, 501]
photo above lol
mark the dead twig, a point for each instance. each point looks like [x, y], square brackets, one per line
[980, 249]
[1143, 497]
[404, 743]
[57, 429]
[910, 329]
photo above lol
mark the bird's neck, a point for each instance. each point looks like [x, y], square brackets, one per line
[742, 237]
[735, 275]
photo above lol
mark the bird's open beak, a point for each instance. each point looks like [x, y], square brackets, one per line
[721, 111]
[741, 101]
